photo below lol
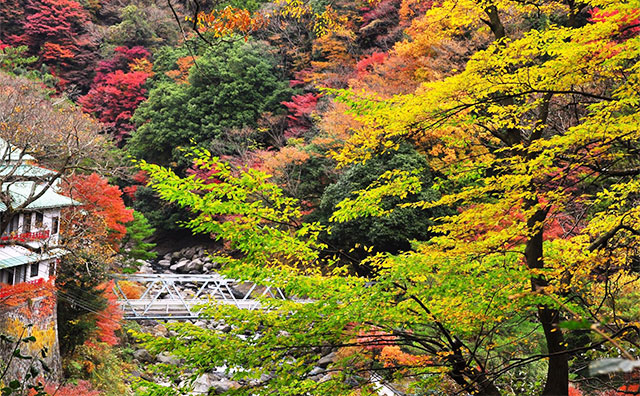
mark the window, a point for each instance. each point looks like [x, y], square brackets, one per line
[26, 222]
[54, 225]
[39, 219]
[35, 267]
[13, 225]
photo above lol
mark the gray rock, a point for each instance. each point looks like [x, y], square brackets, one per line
[167, 359]
[180, 266]
[202, 384]
[316, 371]
[224, 385]
[143, 356]
[188, 253]
[326, 360]
[175, 256]
[197, 264]
[325, 378]
[164, 263]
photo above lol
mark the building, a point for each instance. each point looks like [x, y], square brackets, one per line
[28, 245]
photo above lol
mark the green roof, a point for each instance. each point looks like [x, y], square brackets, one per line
[24, 170]
[13, 256]
[21, 191]
[14, 153]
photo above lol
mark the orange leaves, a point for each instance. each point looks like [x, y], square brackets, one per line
[393, 356]
[389, 353]
[181, 76]
[228, 21]
[108, 321]
[105, 213]
[24, 292]
[53, 51]
[130, 289]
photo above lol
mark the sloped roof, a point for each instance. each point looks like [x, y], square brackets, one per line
[15, 154]
[24, 170]
[13, 256]
[21, 191]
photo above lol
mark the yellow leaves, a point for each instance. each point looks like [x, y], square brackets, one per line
[228, 21]
[368, 202]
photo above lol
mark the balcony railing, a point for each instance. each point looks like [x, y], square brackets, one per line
[26, 236]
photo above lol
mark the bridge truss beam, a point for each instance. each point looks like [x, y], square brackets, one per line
[176, 296]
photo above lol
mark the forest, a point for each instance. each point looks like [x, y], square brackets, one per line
[445, 190]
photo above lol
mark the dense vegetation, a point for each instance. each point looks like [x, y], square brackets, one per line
[451, 185]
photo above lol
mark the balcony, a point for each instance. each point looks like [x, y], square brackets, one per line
[26, 236]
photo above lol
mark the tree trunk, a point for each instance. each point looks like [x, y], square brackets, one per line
[557, 383]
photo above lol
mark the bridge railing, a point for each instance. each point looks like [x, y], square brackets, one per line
[176, 296]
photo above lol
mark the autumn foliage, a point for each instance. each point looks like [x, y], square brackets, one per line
[118, 89]
[102, 213]
[21, 296]
[108, 321]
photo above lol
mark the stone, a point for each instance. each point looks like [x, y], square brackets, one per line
[143, 356]
[196, 264]
[326, 360]
[325, 378]
[164, 263]
[188, 253]
[224, 385]
[316, 371]
[180, 266]
[167, 359]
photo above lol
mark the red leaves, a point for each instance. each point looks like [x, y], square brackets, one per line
[108, 321]
[81, 388]
[122, 59]
[115, 99]
[103, 204]
[630, 27]
[365, 64]
[24, 292]
[117, 90]
[302, 106]
[56, 31]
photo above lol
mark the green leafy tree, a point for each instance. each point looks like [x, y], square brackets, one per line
[135, 247]
[393, 233]
[230, 87]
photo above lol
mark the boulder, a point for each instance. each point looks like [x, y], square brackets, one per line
[167, 359]
[143, 356]
[224, 385]
[164, 263]
[180, 266]
[326, 360]
[188, 253]
[195, 265]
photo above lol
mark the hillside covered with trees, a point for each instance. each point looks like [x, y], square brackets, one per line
[446, 190]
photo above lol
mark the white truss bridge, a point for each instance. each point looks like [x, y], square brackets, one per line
[177, 296]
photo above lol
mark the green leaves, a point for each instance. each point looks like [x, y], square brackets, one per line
[242, 207]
